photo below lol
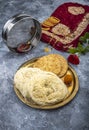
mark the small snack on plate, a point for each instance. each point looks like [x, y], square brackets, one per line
[68, 79]
[43, 88]
[53, 63]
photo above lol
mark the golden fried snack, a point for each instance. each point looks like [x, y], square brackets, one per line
[53, 20]
[54, 63]
[46, 28]
[49, 63]
[50, 22]
[68, 79]
[64, 65]
[47, 23]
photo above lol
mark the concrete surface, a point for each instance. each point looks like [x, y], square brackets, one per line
[14, 115]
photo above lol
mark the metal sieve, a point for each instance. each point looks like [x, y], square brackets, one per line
[21, 33]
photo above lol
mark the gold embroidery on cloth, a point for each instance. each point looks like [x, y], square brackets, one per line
[76, 10]
[61, 29]
[71, 36]
[55, 43]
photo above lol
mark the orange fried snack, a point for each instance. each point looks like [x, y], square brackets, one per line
[68, 79]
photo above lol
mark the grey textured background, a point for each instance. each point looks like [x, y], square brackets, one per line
[14, 115]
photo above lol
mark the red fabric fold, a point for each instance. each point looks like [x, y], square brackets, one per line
[70, 22]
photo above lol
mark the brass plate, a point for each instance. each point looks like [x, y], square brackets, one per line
[73, 89]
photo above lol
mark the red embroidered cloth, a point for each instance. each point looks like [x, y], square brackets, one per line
[66, 24]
